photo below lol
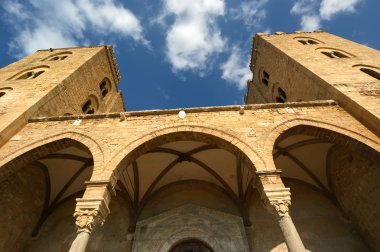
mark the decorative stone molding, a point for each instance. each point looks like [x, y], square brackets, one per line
[281, 207]
[86, 219]
[90, 213]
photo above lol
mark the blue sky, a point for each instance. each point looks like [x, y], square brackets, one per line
[177, 53]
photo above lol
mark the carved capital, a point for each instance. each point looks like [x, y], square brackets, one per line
[87, 219]
[281, 207]
[90, 213]
[278, 201]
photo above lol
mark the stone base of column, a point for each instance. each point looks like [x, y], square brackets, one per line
[80, 242]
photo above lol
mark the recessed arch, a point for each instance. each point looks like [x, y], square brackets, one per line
[30, 73]
[372, 71]
[49, 144]
[91, 105]
[159, 137]
[334, 52]
[318, 128]
[308, 40]
[57, 56]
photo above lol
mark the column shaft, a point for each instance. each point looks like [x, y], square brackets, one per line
[292, 238]
[80, 242]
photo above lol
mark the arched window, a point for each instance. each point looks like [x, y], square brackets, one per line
[57, 56]
[105, 87]
[30, 73]
[191, 245]
[308, 40]
[265, 78]
[281, 95]
[334, 53]
[90, 106]
[371, 72]
[4, 90]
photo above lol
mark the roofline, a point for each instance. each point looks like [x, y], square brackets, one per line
[239, 108]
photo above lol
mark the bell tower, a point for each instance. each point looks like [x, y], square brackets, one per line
[58, 82]
[306, 66]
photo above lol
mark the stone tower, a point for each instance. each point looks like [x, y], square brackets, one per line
[316, 66]
[295, 168]
[58, 82]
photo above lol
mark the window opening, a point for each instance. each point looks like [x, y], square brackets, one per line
[308, 42]
[104, 87]
[335, 54]
[30, 75]
[2, 94]
[281, 98]
[265, 79]
[87, 108]
[371, 73]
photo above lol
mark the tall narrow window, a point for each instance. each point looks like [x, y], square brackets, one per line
[87, 108]
[265, 78]
[281, 95]
[91, 105]
[104, 87]
[371, 72]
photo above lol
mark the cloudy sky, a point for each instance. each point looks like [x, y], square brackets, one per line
[177, 53]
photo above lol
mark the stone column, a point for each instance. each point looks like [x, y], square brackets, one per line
[90, 212]
[292, 238]
[277, 199]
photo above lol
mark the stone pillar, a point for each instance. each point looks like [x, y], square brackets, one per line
[277, 199]
[292, 238]
[90, 212]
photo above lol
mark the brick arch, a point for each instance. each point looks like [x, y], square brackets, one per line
[332, 132]
[159, 137]
[35, 150]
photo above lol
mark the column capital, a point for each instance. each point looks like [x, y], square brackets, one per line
[90, 213]
[278, 201]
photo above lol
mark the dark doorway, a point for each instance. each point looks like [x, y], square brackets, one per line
[191, 246]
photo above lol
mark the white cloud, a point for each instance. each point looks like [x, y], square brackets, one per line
[236, 69]
[43, 24]
[331, 7]
[314, 11]
[251, 12]
[310, 22]
[194, 35]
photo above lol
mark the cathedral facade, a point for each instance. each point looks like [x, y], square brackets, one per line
[296, 168]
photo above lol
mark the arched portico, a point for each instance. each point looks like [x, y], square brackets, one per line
[36, 181]
[175, 151]
[338, 162]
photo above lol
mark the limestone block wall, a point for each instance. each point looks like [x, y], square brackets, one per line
[304, 73]
[63, 88]
[111, 138]
[357, 197]
[20, 207]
